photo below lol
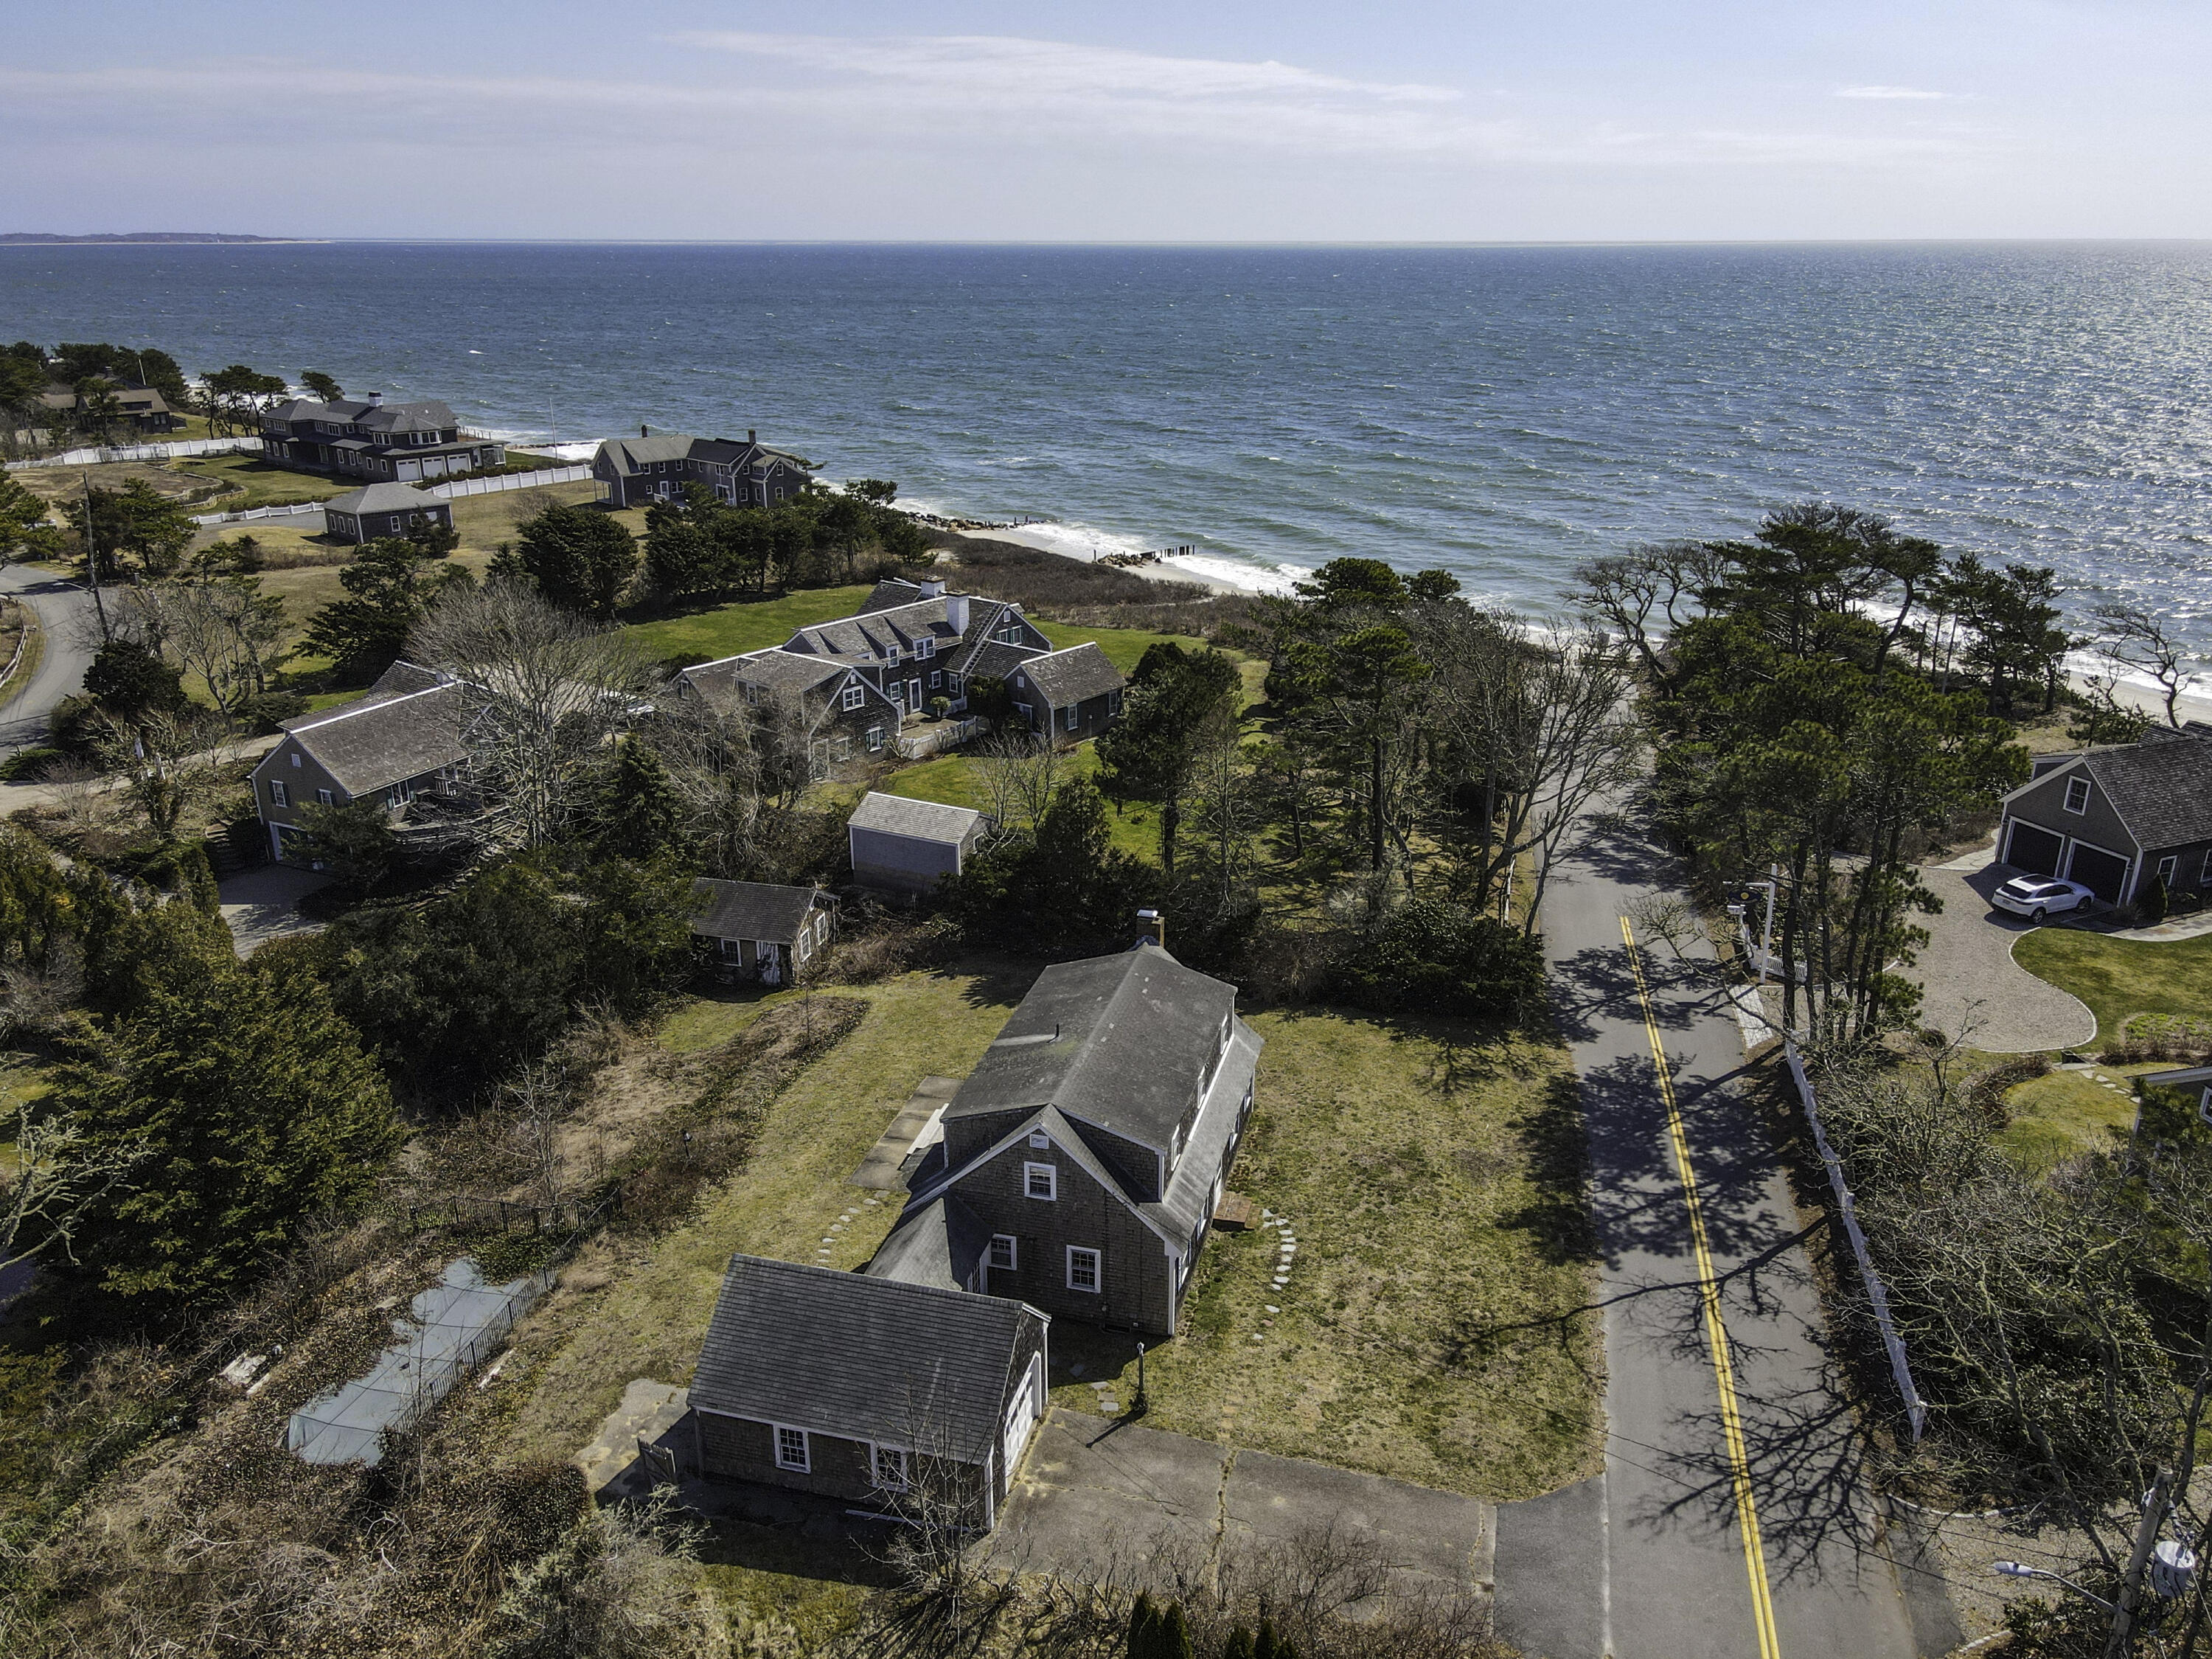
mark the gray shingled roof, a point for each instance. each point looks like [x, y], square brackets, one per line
[1118, 1041]
[866, 1358]
[776, 669]
[367, 746]
[749, 910]
[1073, 675]
[888, 594]
[2162, 791]
[925, 820]
[382, 498]
[868, 638]
[631, 455]
[940, 1244]
[995, 660]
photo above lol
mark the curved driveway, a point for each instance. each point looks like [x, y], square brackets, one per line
[1972, 986]
[61, 606]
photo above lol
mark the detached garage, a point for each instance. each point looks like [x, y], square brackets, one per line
[908, 847]
[2113, 818]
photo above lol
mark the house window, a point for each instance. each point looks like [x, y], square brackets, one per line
[1074, 713]
[890, 1468]
[923, 649]
[936, 679]
[1041, 1181]
[324, 797]
[1083, 1266]
[952, 684]
[277, 795]
[875, 740]
[791, 1449]
[2077, 794]
[1022, 709]
[855, 697]
[844, 749]
[1004, 1253]
[2167, 870]
[296, 758]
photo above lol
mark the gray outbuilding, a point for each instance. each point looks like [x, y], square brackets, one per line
[384, 509]
[908, 847]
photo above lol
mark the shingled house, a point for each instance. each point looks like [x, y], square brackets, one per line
[371, 439]
[402, 740]
[761, 930]
[1085, 1155]
[912, 643]
[638, 472]
[383, 509]
[2109, 818]
[867, 1390]
[841, 715]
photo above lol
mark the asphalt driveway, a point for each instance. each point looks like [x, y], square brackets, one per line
[1097, 1496]
[263, 903]
[1974, 988]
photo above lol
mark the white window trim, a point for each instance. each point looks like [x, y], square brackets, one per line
[324, 798]
[2067, 800]
[1075, 715]
[1097, 1285]
[805, 1463]
[2169, 870]
[876, 1456]
[1013, 1263]
[855, 697]
[1051, 1173]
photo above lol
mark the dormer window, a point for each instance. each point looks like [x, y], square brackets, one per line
[923, 649]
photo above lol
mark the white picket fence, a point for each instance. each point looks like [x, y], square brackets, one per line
[492, 486]
[247, 446]
[298, 509]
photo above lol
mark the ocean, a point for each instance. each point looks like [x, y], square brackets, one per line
[1505, 412]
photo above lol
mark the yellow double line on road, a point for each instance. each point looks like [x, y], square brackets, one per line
[1709, 1296]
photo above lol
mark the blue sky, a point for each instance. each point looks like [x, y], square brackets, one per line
[1574, 120]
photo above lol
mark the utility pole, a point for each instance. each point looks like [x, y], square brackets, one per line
[2121, 1641]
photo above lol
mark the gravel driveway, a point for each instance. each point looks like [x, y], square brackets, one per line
[1972, 984]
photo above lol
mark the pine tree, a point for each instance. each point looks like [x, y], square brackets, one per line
[246, 1105]
[1272, 1646]
[1174, 1638]
[1144, 1627]
[581, 559]
[1239, 1645]
[641, 814]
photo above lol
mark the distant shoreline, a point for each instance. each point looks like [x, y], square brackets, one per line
[147, 239]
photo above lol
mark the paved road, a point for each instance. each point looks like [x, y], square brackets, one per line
[58, 605]
[1648, 1561]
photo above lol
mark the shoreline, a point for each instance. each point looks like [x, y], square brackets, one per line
[1089, 545]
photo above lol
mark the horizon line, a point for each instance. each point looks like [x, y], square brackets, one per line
[1049, 243]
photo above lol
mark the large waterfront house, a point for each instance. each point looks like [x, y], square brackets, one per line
[140, 408]
[400, 443]
[640, 471]
[860, 677]
[2111, 818]
[402, 740]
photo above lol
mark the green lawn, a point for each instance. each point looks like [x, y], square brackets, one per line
[1125, 647]
[957, 780]
[2063, 1113]
[748, 625]
[2119, 978]
[252, 482]
[1431, 1173]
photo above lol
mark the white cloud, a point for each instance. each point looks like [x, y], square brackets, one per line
[1908, 92]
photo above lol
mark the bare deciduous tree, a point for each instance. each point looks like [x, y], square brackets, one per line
[2133, 637]
[543, 691]
[1019, 771]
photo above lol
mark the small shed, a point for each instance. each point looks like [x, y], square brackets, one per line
[759, 930]
[902, 845]
[878, 1392]
[384, 509]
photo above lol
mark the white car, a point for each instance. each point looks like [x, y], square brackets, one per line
[2037, 897]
